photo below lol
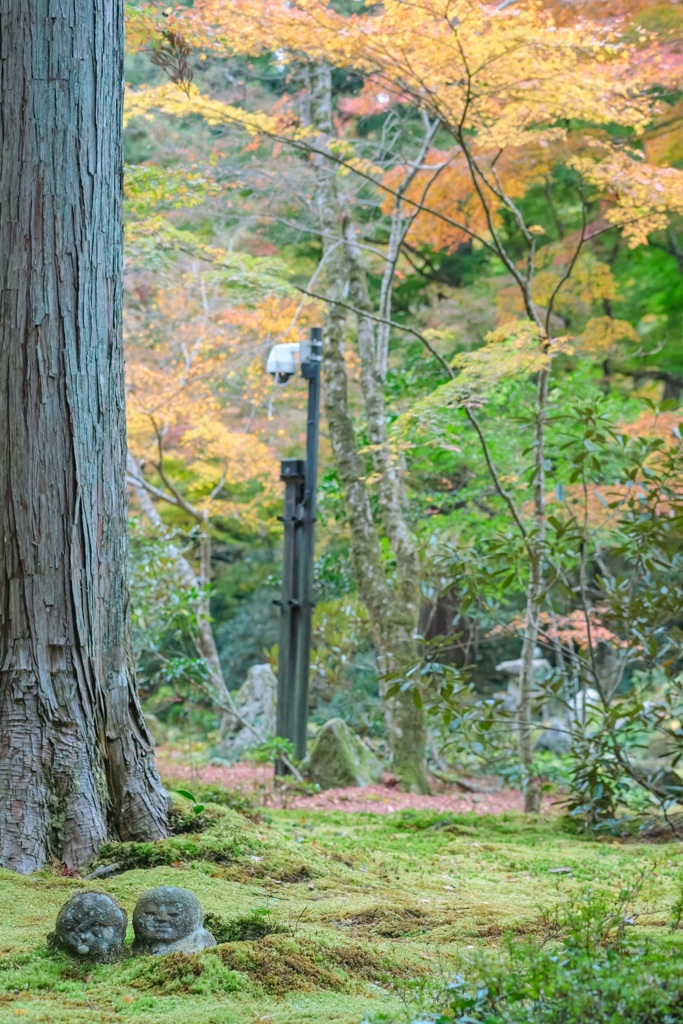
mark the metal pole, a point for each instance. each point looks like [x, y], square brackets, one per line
[292, 472]
[310, 369]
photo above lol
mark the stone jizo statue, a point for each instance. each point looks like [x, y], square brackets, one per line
[91, 926]
[169, 920]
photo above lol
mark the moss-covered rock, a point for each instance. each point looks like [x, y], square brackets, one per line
[230, 843]
[276, 965]
[340, 759]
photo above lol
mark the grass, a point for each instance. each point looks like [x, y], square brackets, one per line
[323, 917]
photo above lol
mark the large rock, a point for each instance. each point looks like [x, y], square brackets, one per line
[256, 701]
[340, 759]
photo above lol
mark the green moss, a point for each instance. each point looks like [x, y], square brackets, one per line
[389, 922]
[470, 823]
[181, 973]
[355, 906]
[175, 850]
[245, 927]
[184, 821]
[287, 965]
[236, 801]
[225, 840]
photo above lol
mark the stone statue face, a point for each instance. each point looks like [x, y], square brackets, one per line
[165, 915]
[92, 925]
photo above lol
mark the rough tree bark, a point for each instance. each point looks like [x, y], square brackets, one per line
[394, 605]
[76, 763]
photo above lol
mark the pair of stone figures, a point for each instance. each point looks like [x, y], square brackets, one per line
[92, 925]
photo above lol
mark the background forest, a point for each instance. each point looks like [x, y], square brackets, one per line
[488, 223]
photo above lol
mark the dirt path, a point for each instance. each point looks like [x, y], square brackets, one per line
[256, 781]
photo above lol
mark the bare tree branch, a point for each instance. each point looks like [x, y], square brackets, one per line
[570, 266]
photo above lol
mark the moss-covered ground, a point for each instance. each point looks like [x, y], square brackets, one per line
[321, 917]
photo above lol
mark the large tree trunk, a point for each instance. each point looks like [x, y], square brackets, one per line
[76, 761]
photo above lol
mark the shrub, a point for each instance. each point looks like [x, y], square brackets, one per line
[587, 969]
[569, 986]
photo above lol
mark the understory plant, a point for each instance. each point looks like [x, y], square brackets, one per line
[608, 618]
[587, 964]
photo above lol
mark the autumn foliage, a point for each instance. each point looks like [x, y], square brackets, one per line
[474, 184]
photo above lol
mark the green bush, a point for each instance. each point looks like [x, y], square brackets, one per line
[585, 968]
[570, 986]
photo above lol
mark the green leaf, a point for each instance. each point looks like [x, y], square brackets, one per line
[186, 793]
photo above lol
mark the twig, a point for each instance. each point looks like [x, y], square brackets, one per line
[380, 320]
[570, 266]
[494, 474]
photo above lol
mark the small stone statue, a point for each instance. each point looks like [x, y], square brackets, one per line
[91, 926]
[169, 920]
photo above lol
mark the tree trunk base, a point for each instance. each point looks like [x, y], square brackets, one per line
[53, 789]
[411, 778]
[76, 761]
[532, 798]
[407, 742]
[64, 789]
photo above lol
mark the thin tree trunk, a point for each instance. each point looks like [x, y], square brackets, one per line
[397, 627]
[394, 608]
[392, 626]
[76, 761]
[204, 640]
[537, 542]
